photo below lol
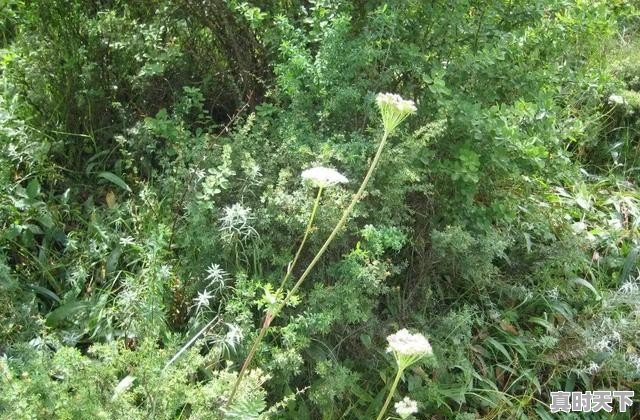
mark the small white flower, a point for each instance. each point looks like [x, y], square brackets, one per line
[604, 345]
[128, 297]
[634, 359]
[251, 168]
[72, 244]
[71, 338]
[38, 343]
[78, 276]
[494, 314]
[199, 174]
[616, 99]
[12, 150]
[403, 343]
[236, 221]
[615, 337]
[216, 276]
[127, 240]
[202, 300]
[320, 176]
[394, 110]
[234, 336]
[164, 272]
[406, 407]
[236, 215]
[628, 288]
[593, 368]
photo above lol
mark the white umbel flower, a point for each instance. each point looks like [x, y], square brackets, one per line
[405, 106]
[394, 109]
[406, 407]
[320, 176]
[406, 344]
[616, 99]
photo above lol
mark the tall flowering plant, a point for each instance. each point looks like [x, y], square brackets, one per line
[407, 349]
[393, 110]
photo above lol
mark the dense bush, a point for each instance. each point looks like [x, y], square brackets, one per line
[151, 201]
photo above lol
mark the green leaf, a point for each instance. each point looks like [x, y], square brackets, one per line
[498, 346]
[588, 285]
[629, 264]
[33, 188]
[543, 412]
[64, 312]
[44, 292]
[112, 260]
[115, 180]
[583, 202]
[543, 323]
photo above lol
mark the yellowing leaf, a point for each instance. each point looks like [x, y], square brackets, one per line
[508, 327]
[110, 199]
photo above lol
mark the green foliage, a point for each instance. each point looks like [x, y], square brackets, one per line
[150, 155]
[67, 384]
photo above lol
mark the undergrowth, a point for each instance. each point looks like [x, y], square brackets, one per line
[151, 204]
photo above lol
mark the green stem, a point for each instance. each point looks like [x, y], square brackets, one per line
[268, 318]
[190, 342]
[345, 215]
[304, 239]
[391, 392]
[247, 362]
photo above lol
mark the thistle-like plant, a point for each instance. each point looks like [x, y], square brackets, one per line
[393, 110]
[407, 349]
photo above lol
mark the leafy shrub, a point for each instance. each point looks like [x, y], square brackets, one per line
[149, 194]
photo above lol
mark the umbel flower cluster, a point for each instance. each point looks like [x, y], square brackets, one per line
[394, 110]
[407, 349]
[405, 345]
[322, 177]
[406, 407]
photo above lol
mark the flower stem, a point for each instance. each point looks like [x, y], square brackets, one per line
[254, 347]
[345, 215]
[391, 392]
[190, 342]
[269, 317]
[304, 239]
